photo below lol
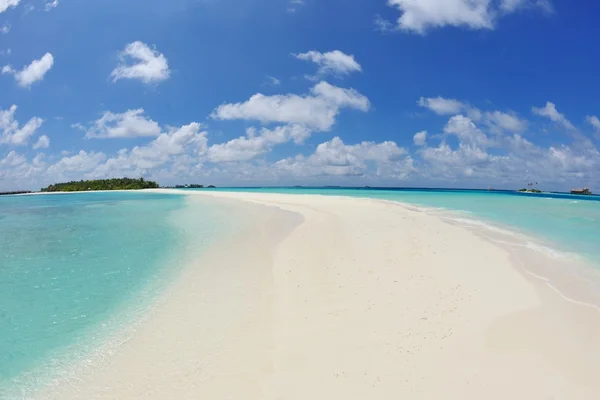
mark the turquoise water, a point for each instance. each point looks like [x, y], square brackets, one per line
[69, 262]
[564, 222]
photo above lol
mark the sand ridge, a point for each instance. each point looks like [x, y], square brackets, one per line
[357, 299]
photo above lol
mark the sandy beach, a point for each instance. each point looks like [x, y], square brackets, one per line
[345, 298]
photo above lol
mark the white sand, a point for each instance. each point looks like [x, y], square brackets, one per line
[358, 299]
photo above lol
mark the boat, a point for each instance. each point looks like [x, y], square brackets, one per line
[584, 191]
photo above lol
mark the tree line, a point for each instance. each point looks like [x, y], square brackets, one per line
[102, 184]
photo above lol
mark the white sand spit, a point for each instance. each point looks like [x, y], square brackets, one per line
[343, 298]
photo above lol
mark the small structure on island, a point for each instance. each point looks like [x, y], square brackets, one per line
[530, 188]
[585, 191]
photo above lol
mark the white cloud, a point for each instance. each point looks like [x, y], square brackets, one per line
[5, 29]
[5, 52]
[294, 4]
[10, 131]
[273, 81]
[338, 159]
[420, 138]
[33, 72]
[76, 165]
[544, 5]
[509, 6]
[501, 121]
[333, 62]
[317, 110]
[169, 146]
[515, 161]
[419, 16]
[138, 61]
[498, 121]
[256, 143]
[594, 121]
[6, 4]
[42, 143]
[383, 25]
[550, 111]
[469, 153]
[51, 5]
[465, 161]
[442, 106]
[466, 131]
[131, 123]
[13, 159]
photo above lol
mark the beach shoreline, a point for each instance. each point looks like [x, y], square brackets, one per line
[352, 298]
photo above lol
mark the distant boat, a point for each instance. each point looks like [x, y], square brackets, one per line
[581, 191]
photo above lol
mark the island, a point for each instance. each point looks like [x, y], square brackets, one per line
[102, 184]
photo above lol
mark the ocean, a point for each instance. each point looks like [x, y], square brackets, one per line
[75, 268]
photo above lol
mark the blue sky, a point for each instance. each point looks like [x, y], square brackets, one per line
[451, 93]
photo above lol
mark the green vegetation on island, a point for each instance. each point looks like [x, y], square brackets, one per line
[102, 184]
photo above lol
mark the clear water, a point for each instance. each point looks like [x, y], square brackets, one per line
[564, 222]
[69, 263]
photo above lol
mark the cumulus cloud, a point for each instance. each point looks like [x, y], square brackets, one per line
[441, 105]
[420, 138]
[339, 159]
[5, 29]
[31, 73]
[514, 161]
[256, 143]
[549, 111]
[42, 143]
[131, 123]
[316, 110]
[497, 121]
[139, 61]
[419, 16]
[6, 4]
[77, 164]
[334, 62]
[13, 134]
[13, 159]
[186, 140]
[466, 131]
[469, 152]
